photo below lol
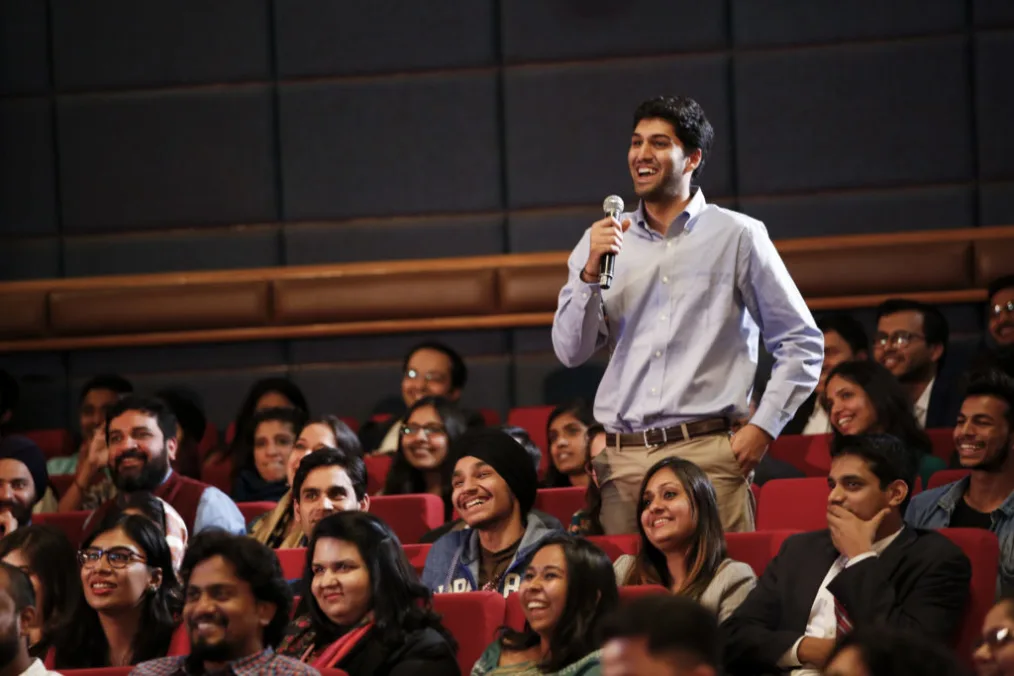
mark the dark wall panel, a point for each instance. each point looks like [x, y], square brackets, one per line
[568, 126]
[853, 116]
[24, 47]
[368, 36]
[996, 204]
[27, 182]
[550, 230]
[993, 13]
[172, 358]
[29, 258]
[108, 44]
[379, 240]
[994, 104]
[135, 161]
[388, 146]
[565, 29]
[394, 347]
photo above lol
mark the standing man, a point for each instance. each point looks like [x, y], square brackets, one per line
[694, 286]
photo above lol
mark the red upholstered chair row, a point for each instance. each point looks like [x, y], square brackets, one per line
[377, 467]
[560, 502]
[533, 419]
[942, 477]
[52, 443]
[811, 454]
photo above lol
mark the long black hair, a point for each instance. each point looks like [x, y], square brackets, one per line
[400, 603]
[247, 409]
[87, 646]
[591, 596]
[52, 558]
[580, 409]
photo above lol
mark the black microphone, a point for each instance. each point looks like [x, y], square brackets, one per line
[612, 206]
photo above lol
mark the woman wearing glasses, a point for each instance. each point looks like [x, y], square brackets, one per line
[132, 598]
[994, 656]
[420, 465]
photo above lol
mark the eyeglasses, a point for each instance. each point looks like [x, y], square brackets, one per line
[430, 376]
[429, 430]
[118, 557]
[995, 638]
[998, 310]
[897, 339]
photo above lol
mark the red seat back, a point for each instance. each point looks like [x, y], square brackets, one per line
[292, 562]
[793, 504]
[490, 417]
[409, 516]
[351, 422]
[71, 523]
[208, 442]
[416, 555]
[377, 467]
[251, 510]
[942, 477]
[756, 549]
[52, 443]
[218, 473]
[61, 482]
[617, 545]
[560, 502]
[810, 454]
[180, 643]
[983, 550]
[533, 419]
[942, 439]
[473, 619]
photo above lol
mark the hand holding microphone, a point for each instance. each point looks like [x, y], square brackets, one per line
[606, 240]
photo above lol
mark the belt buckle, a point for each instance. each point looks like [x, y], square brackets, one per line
[665, 436]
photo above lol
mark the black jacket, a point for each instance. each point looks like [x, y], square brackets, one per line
[423, 652]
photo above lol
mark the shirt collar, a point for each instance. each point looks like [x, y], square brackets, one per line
[682, 222]
[949, 500]
[921, 406]
[883, 543]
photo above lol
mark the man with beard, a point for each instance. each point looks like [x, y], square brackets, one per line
[983, 438]
[23, 482]
[236, 609]
[141, 437]
[17, 614]
[911, 343]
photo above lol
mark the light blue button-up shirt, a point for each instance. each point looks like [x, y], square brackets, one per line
[682, 320]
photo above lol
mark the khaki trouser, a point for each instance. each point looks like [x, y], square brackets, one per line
[621, 471]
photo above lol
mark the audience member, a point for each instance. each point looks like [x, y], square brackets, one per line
[662, 636]
[236, 610]
[567, 590]
[97, 396]
[263, 394]
[845, 339]
[864, 398]
[24, 483]
[10, 395]
[682, 542]
[566, 432]
[494, 487]
[141, 435]
[984, 438]
[131, 596]
[156, 510]
[886, 651]
[994, 654]
[367, 611]
[279, 528]
[49, 560]
[911, 342]
[329, 480]
[191, 425]
[586, 520]
[17, 614]
[997, 348]
[866, 568]
[421, 464]
[93, 481]
[430, 369]
[262, 461]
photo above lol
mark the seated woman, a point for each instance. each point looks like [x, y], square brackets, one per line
[567, 436]
[420, 465]
[994, 654]
[863, 397]
[45, 554]
[567, 589]
[682, 542]
[159, 512]
[278, 528]
[367, 613]
[132, 598]
[586, 520]
[260, 461]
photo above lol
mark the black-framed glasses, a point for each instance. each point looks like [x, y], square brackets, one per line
[897, 339]
[995, 638]
[410, 430]
[118, 557]
[1000, 308]
[429, 376]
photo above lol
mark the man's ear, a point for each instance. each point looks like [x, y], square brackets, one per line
[897, 491]
[170, 448]
[936, 351]
[693, 161]
[295, 511]
[364, 504]
[26, 620]
[266, 612]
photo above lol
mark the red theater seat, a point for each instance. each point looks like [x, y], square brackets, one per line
[942, 439]
[473, 619]
[61, 482]
[218, 473]
[251, 510]
[292, 561]
[793, 504]
[983, 549]
[71, 523]
[52, 443]
[490, 417]
[208, 442]
[942, 477]
[616, 545]
[180, 643]
[377, 467]
[810, 454]
[533, 419]
[756, 549]
[560, 502]
[409, 516]
[416, 555]
[351, 422]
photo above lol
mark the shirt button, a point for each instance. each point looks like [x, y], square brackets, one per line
[668, 244]
[584, 295]
[662, 317]
[658, 353]
[665, 280]
[653, 390]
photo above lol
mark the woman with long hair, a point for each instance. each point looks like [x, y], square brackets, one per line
[682, 543]
[45, 554]
[260, 462]
[421, 463]
[367, 613]
[264, 394]
[863, 397]
[132, 598]
[567, 437]
[567, 589]
[586, 520]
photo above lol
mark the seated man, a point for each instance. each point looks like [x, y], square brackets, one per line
[997, 348]
[141, 441]
[17, 615]
[23, 482]
[97, 396]
[494, 486]
[236, 609]
[867, 568]
[984, 439]
[328, 480]
[661, 635]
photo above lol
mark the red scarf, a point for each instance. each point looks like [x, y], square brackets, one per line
[337, 651]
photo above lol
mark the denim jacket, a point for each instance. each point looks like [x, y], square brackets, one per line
[933, 509]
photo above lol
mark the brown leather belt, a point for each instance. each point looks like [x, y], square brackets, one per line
[668, 435]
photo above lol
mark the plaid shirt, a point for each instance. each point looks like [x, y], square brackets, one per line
[265, 662]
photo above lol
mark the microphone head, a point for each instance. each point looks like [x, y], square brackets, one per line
[613, 205]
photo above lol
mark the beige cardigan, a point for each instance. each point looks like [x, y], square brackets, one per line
[732, 582]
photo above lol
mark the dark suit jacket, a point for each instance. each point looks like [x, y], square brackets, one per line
[944, 404]
[803, 413]
[919, 582]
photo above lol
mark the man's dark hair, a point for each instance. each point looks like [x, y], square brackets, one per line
[886, 456]
[849, 328]
[459, 372]
[243, 454]
[934, 324]
[688, 120]
[254, 563]
[888, 651]
[996, 384]
[998, 284]
[107, 381]
[19, 587]
[329, 457]
[149, 406]
[674, 626]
